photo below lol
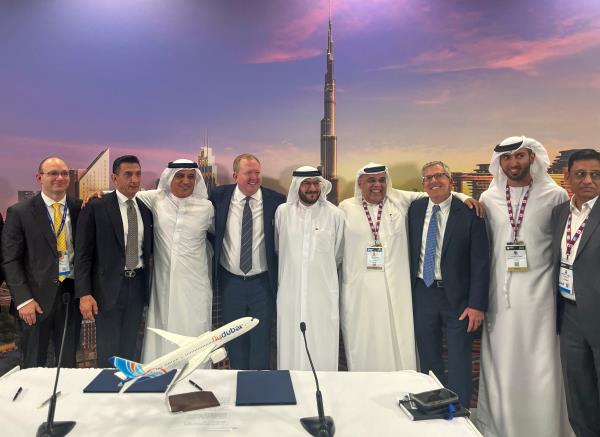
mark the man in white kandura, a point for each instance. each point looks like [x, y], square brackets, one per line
[520, 387]
[308, 237]
[181, 299]
[376, 312]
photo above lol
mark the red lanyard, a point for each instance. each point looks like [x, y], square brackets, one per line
[571, 241]
[374, 228]
[516, 226]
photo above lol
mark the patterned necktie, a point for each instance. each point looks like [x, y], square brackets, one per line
[246, 246]
[131, 248]
[61, 239]
[430, 248]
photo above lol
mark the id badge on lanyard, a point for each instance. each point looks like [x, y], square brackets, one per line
[375, 259]
[515, 251]
[565, 279]
[375, 253]
[516, 257]
[64, 268]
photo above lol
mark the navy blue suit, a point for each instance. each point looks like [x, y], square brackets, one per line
[243, 296]
[465, 272]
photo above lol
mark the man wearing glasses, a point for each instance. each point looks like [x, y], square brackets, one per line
[576, 249]
[450, 271]
[37, 249]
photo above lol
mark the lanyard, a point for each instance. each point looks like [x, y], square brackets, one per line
[62, 223]
[374, 228]
[571, 241]
[516, 226]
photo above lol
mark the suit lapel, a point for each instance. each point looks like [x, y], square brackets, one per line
[73, 213]
[421, 209]
[224, 206]
[40, 215]
[453, 216]
[590, 227]
[114, 214]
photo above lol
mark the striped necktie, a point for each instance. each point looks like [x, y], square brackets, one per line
[61, 239]
[246, 242]
[430, 248]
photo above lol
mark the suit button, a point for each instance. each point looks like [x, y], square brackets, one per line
[55, 281]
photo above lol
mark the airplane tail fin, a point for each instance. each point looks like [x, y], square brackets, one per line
[127, 369]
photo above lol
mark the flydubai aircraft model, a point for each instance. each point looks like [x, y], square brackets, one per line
[192, 352]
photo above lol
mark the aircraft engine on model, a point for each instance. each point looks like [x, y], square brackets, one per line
[218, 355]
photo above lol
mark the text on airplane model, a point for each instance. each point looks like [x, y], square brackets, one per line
[191, 352]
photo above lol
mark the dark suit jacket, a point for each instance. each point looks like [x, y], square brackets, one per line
[586, 275]
[221, 199]
[29, 252]
[465, 260]
[100, 250]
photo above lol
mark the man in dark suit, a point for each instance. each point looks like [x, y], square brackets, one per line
[245, 266]
[37, 252]
[114, 245]
[576, 250]
[450, 278]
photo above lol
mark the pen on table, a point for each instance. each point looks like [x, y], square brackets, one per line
[195, 385]
[48, 400]
[17, 393]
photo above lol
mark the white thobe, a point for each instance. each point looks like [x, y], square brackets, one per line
[309, 241]
[181, 296]
[520, 387]
[376, 311]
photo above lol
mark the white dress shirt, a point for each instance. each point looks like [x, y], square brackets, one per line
[232, 241]
[140, 226]
[442, 218]
[577, 218]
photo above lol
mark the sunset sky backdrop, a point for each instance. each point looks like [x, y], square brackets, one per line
[416, 79]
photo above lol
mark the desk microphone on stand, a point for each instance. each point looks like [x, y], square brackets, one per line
[320, 426]
[50, 428]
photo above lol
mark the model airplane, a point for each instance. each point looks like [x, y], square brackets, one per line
[192, 352]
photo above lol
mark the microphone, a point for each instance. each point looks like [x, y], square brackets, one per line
[320, 426]
[50, 428]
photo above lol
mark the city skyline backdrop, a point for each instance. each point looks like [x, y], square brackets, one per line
[416, 81]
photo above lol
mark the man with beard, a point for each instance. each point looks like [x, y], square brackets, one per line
[521, 389]
[308, 237]
[576, 254]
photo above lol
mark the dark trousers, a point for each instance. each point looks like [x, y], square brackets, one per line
[48, 327]
[117, 328]
[251, 297]
[581, 373]
[433, 314]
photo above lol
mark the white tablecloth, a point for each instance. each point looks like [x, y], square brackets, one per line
[361, 403]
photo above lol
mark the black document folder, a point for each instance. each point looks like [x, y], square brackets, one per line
[265, 387]
[107, 382]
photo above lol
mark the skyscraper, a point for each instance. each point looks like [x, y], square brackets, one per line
[207, 165]
[97, 176]
[328, 165]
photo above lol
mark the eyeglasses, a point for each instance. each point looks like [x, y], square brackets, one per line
[55, 174]
[582, 174]
[431, 177]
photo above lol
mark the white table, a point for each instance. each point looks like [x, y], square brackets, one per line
[361, 403]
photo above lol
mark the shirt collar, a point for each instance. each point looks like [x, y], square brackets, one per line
[49, 202]
[122, 197]
[586, 206]
[238, 196]
[444, 206]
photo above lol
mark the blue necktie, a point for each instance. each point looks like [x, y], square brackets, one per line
[430, 246]
[246, 246]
